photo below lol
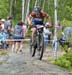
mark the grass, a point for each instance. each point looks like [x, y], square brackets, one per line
[3, 52]
[2, 61]
[64, 61]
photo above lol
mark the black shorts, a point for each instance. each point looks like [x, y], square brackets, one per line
[18, 39]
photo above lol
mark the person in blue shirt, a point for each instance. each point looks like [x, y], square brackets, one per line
[3, 37]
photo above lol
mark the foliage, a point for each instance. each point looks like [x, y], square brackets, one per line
[64, 48]
[3, 52]
[66, 23]
[4, 8]
[65, 61]
[64, 8]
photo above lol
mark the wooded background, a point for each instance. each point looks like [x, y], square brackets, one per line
[14, 8]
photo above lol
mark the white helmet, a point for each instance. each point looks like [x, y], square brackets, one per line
[3, 20]
[47, 24]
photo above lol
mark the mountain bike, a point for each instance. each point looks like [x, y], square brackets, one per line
[38, 43]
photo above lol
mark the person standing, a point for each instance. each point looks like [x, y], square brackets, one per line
[47, 33]
[8, 30]
[18, 36]
[3, 22]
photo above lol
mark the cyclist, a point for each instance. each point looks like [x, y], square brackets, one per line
[36, 17]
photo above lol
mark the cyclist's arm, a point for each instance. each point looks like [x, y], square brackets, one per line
[29, 20]
[49, 20]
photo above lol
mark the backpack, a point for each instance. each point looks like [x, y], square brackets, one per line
[18, 31]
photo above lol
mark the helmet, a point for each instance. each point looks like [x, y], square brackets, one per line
[3, 20]
[37, 9]
[47, 24]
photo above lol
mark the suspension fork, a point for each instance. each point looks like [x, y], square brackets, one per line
[38, 40]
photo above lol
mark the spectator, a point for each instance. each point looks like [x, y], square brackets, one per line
[8, 29]
[47, 33]
[18, 36]
[0, 26]
[3, 37]
[59, 26]
[3, 21]
[59, 29]
[8, 26]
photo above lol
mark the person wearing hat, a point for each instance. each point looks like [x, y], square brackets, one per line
[3, 21]
[3, 37]
[47, 33]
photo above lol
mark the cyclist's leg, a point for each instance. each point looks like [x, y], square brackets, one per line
[33, 32]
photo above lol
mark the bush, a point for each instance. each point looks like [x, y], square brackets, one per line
[68, 56]
[3, 52]
[66, 23]
[65, 61]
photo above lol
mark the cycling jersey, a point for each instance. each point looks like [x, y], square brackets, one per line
[42, 15]
[38, 19]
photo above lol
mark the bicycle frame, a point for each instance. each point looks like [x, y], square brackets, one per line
[38, 42]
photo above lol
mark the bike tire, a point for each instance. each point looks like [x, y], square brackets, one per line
[32, 49]
[40, 47]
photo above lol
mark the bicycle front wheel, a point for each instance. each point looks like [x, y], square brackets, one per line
[33, 48]
[41, 46]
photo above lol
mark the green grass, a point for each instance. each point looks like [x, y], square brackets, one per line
[3, 52]
[64, 61]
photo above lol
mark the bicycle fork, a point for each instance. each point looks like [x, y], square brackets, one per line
[38, 42]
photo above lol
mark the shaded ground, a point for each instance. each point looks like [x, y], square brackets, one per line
[24, 64]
